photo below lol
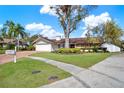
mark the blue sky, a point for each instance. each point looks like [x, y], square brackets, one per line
[27, 15]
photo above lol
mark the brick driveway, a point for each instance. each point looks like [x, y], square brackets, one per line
[8, 58]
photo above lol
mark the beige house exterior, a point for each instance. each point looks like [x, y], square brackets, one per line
[45, 44]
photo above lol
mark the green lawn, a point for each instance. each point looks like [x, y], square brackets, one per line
[20, 74]
[82, 60]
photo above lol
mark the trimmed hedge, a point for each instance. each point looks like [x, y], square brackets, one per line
[2, 51]
[68, 50]
[79, 50]
[30, 47]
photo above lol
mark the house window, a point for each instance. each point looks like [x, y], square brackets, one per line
[72, 45]
[61, 46]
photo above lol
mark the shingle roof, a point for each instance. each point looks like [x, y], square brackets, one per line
[43, 38]
[71, 40]
[77, 40]
[7, 41]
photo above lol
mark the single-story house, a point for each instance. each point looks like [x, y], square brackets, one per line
[4, 42]
[45, 44]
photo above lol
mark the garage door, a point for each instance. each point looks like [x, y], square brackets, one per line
[46, 47]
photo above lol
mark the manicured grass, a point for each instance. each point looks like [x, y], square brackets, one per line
[82, 60]
[19, 74]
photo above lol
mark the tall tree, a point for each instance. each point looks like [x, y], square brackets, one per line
[69, 17]
[19, 33]
[9, 26]
[112, 33]
[13, 31]
[3, 32]
[93, 35]
[32, 38]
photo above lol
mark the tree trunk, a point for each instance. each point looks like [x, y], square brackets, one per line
[66, 41]
[67, 32]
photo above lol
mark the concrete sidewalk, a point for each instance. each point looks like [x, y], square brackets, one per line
[73, 81]
[70, 82]
[106, 74]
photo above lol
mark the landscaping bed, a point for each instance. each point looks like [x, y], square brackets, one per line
[80, 50]
[84, 60]
[28, 73]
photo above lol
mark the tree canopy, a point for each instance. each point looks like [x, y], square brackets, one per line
[12, 30]
[110, 32]
[69, 17]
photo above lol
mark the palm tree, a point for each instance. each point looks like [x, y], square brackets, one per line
[19, 33]
[3, 33]
[9, 26]
[1, 38]
[13, 31]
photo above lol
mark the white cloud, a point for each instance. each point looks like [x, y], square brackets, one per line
[1, 25]
[47, 10]
[93, 21]
[50, 33]
[45, 30]
[34, 26]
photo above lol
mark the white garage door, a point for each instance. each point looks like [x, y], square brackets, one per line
[46, 47]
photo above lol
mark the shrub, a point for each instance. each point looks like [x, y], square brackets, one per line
[99, 50]
[22, 48]
[68, 50]
[30, 47]
[95, 49]
[1, 48]
[76, 50]
[2, 51]
[9, 46]
[79, 50]
[63, 50]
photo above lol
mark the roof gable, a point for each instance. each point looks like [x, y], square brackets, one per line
[43, 39]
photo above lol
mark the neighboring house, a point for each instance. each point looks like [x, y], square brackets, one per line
[111, 47]
[45, 44]
[4, 42]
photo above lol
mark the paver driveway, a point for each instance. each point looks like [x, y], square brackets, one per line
[8, 58]
[106, 74]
